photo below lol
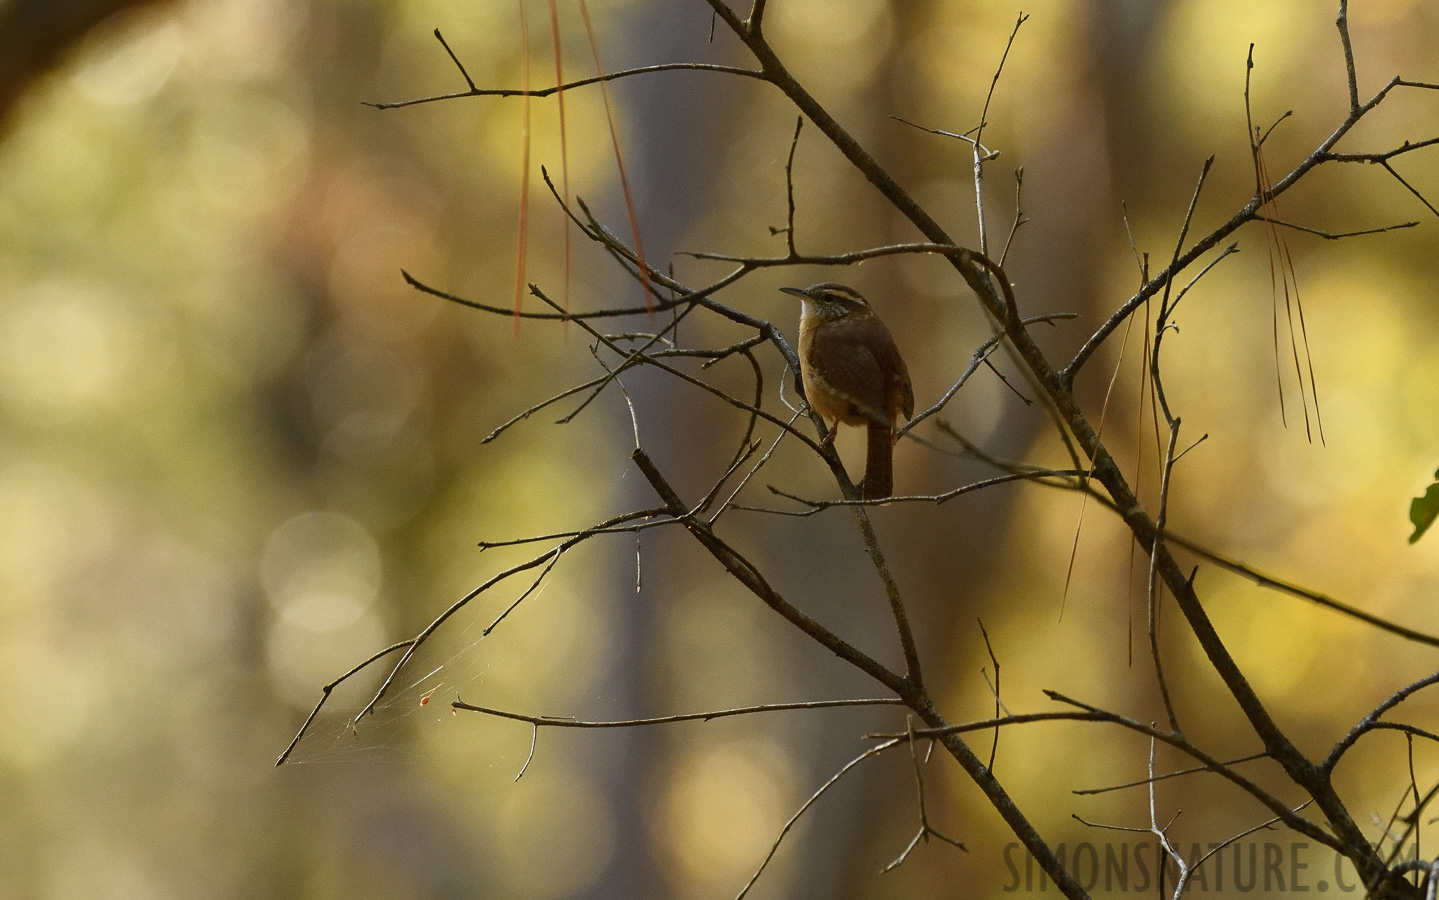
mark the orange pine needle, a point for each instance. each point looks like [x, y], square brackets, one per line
[1099, 433]
[523, 241]
[1145, 390]
[619, 159]
[1283, 277]
[564, 138]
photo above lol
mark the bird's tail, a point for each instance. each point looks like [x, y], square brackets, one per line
[879, 462]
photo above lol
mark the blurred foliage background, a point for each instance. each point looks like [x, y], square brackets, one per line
[240, 455]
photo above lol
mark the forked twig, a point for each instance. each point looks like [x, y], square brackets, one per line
[925, 829]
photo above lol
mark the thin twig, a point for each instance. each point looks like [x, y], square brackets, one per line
[756, 17]
[981, 158]
[1163, 837]
[925, 829]
[988, 153]
[325, 695]
[569, 86]
[789, 187]
[1175, 774]
[754, 470]
[1242, 569]
[1371, 721]
[534, 742]
[748, 575]
[1088, 713]
[1154, 589]
[998, 705]
[1303, 593]
[979, 356]
[1335, 236]
[1342, 23]
[708, 715]
[873, 751]
[611, 526]
[1019, 218]
[456, 60]
[1215, 849]
[534, 586]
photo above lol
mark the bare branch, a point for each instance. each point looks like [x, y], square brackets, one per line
[729, 501]
[1032, 475]
[985, 151]
[534, 586]
[1161, 834]
[1019, 219]
[979, 357]
[1244, 570]
[1342, 23]
[832, 259]
[1089, 713]
[873, 751]
[925, 829]
[1335, 236]
[998, 705]
[897, 611]
[534, 742]
[1217, 848]
[789, 187]
[1190, 771]
[1294, 590]
[1294, 822]
[981, 158]
[565, 722]
[1154, 589]
[325, 695]
[683, 299]
[610, 526]
[755, 22]
[1094, 471]
[748, 575]
[1369, 722]
[545, 92]
[456, 60]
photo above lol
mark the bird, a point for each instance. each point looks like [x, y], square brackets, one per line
[853, 374]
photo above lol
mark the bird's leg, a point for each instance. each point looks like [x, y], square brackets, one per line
[828, 440]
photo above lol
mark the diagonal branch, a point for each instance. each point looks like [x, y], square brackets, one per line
[748, 575]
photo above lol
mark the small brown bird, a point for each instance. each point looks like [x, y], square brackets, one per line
[853, 373]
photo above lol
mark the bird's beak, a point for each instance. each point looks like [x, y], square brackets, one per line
[797, 292]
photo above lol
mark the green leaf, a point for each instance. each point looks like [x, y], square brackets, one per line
[1424, 510]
